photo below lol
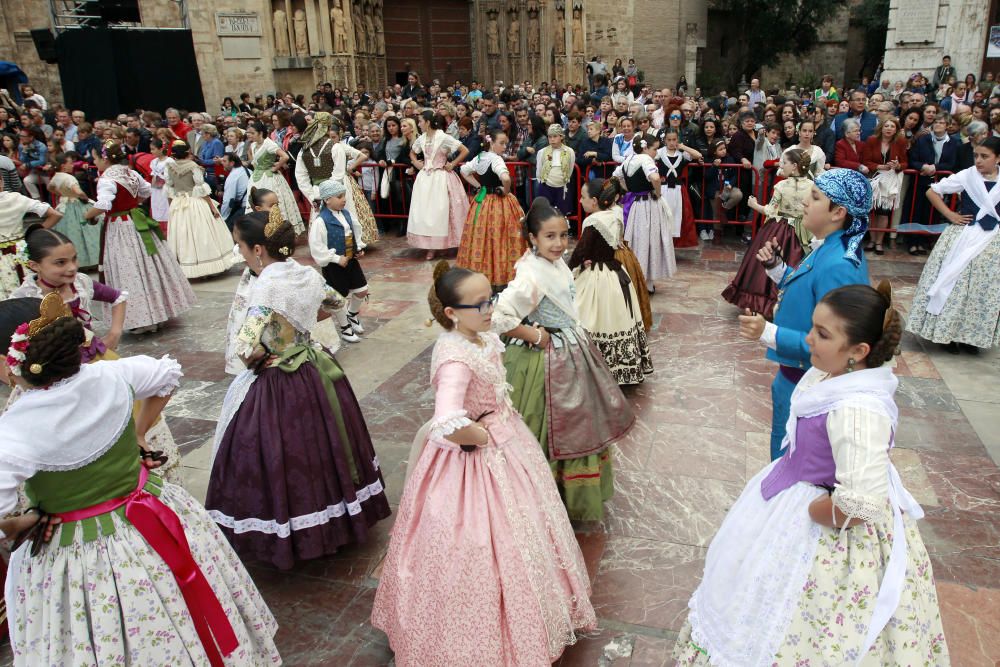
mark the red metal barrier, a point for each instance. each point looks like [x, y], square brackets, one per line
[742, 176]
[909, 202]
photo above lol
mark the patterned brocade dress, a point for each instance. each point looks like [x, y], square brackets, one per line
[483, 567]
[491, 241]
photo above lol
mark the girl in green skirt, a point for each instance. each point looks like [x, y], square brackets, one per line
[559, 381]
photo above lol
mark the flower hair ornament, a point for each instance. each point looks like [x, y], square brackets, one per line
[644, 144]
[274, 223]
[52, 309]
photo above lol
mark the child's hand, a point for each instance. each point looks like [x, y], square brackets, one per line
[361, 253]
[751, 201]
[342, 262]
[111, 339]
[751, 325]
[768, 253]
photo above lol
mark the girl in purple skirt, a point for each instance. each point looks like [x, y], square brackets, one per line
[295, 474]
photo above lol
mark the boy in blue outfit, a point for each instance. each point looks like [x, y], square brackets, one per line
[335, 245]
[837, 215]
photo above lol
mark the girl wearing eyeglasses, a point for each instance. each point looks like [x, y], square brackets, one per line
[483, 567]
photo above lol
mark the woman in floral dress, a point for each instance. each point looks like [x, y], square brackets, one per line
[819, 563]
[119, 567]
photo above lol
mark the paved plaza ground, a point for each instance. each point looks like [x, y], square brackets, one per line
[702, 431]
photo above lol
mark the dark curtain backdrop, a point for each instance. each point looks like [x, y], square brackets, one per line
[106, 72]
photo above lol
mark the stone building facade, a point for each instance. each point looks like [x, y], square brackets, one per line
[921, 32]
[263, 46]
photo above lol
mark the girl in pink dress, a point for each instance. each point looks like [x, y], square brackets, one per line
[483, 567]
[439, 203]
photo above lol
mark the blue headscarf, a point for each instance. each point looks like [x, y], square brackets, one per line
[850, 189]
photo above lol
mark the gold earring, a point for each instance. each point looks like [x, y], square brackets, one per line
[850, 365]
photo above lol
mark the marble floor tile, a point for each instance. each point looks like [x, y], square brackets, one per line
[677, 509]
[971, 618]
[647, 582]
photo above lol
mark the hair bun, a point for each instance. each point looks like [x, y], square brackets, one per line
[885, 289]
[441, 268]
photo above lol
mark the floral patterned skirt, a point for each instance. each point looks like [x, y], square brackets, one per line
[971, 314]
[114, 601]
[796, 593]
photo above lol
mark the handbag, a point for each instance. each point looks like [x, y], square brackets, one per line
[383, 189]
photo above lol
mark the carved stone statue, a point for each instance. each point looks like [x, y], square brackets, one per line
[560, 36]
[577, 30]
[301, 33]
[534, 32]
[338, 29]
[492, 36]
[514, 34]
[280, 33]
[370, 42]
[379, 32]
[358, 25]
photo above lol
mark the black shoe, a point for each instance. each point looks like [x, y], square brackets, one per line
[951, 348]
[969, 349]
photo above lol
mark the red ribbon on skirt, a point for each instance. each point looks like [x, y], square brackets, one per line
[161, 528]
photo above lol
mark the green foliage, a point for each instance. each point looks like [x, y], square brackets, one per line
[873, 18]
[760, 31]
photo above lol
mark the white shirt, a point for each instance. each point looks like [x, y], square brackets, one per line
[13, 207]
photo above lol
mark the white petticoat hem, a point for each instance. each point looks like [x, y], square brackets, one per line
[272, 527]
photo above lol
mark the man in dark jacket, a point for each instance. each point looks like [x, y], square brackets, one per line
[868, 121]
[741, 147]
[933, 152]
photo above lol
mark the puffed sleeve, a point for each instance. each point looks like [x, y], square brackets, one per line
[951, 185]
[258, 317]
[106, 191]
[516, 302]
[148, 376]
[418, 145]
[498, 166]
[451, 382]
[11, 477]
[201, 188]
[860, 441]
[450, 143]
[106, 294]
[467, 167]
[774, 204]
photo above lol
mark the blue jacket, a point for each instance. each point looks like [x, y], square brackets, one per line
[336, 239]
[923, 153]
[802, 288]
[210, 149]
[868, 122]
[32, 155]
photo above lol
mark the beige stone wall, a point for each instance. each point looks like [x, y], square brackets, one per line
[961, 32]
[17, 18]
[222, 77]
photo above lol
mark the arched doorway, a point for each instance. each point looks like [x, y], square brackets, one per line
[431, 37]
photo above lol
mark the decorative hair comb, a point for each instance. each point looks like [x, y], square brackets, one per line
[274, 222]
[178, 142]
[52, 309]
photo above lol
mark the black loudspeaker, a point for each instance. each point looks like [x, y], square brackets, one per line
[119, 11]
[45, 44]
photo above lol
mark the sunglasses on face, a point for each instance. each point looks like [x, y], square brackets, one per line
[674, 116]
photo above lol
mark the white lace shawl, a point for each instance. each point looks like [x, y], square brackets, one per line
[75, 421]
[609, 225]
[292, 290]
[535, 278]
[125, 177]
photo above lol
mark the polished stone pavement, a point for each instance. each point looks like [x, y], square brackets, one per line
[702, 431]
